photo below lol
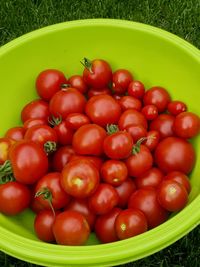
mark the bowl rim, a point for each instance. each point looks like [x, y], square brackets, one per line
[120, 251]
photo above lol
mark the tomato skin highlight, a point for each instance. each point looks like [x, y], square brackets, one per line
[153, 177]
[14, 198]
[180, 178]
[76, 120]
[176, 107]
[121, 80]
[76, 81]
[131, 117]
[136, 89]
[15, 133]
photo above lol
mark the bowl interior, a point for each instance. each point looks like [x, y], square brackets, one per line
[154, 57]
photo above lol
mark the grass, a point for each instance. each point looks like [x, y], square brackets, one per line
[180, 17]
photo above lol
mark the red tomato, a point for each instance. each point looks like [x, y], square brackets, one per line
[32, 122]
[124, 191]
[172, 195]
[136, 89]
[175, 154]
[153, 138]
[49, 82]
[145, 199]
[50, 193]
[150, 112]
[43, 225]
[14, 198]
[131, 117]
[180, 178]
[29, 161]
[96, 161]
[67, 101]
[139, 162]
[97, 73]
[114, 172]
[104, 199]
[15, 133]
[103, 110]
[129, 102]
[136, 132]
[94, 92]
[41, 134]
[36, 109]
[157, 96]
[121, 80]
[186, 125]
[88, 140]
[153, 177]
[71, 228]
[61, 157]
[164, 125]
[105, 226]
[80, 178]
[76, 120]
[81, 206]
[118, 145]
[76, 81]
[176, 107]
[129, 223]
[64, 133]
[5, 144]
[35, 205]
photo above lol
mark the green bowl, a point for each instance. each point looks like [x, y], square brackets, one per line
[155, 57]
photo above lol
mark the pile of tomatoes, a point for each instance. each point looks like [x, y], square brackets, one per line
[97, 152]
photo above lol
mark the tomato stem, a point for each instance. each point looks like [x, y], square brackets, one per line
[50, 147]
[112, 128]
[64, 86]
[136, 147]
[53, 121]
[6, 169]
[7, 179]
[87, 64]
[46, 195]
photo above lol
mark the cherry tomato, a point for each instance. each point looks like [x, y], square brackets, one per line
[41, 134]
[80, 178]
[186, 125]
[76, 81]
[50, 193]
[172, 195]
[124, 191]
[36, 109]
[29, 161]
[139, 162]
[96, 161]
[35, 205]
[131, 117]
[5, 144]
[114, 172]
[164, 125]
[104, 199]
[118, 145]
[97, 73]
[150, 112]
[88, 140]
[157, 96]
[145, 199]
[175, 154]
[176, 107]
[103, 110]
[76, 120]
[43, 225]
[153, 177]
[94, 92]
[14, 198]
[153, 138]
[180, 178]
[67, 101]
[61, 157]
[64, 133]
[32, 122]
[71, 228]
[129, 102]
[129, 223]
[81, 206]
[121, 81]
[136, 132]
[136, 89]
[49, 82]
[15, 133]
[105, 226]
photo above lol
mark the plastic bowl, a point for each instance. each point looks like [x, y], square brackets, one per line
[154, 56]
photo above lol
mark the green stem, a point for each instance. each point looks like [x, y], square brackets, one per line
[87, 64]
[136, 147]
[53, 121]
[112, 128]
[6, 169]
[46, 195]
[50, 147]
